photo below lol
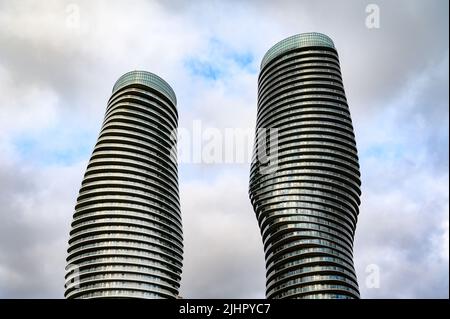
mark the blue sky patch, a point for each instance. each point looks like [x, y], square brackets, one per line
[54, 148]
[217, 59]
[203, 69]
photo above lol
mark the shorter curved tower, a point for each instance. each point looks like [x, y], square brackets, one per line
[126, 237]
[308, 202]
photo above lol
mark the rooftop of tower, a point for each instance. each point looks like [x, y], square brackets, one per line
[301, 40]
[148, 79]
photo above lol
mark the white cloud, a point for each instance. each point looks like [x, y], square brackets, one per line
[223, 250]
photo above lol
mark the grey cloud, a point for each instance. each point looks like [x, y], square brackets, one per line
[34, 223]
[223, 252]
[375, 62]
[405, 193]
[405, 236]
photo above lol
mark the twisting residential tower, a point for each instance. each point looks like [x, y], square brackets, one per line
[307, 206]
[126, 236]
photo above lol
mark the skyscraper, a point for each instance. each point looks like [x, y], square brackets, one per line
[307, 203]
[126, 237]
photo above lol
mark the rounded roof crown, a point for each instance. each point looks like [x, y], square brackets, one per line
[310, 39]
[148, 79]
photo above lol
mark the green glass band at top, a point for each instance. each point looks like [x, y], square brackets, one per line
[146, 78]
[311, 39]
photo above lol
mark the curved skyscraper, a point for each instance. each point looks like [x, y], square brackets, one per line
[126, 237]
[307, 203]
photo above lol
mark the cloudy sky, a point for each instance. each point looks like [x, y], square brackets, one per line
[60, 59]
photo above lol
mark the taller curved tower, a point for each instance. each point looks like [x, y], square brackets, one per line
[308, 202]
[126, 237]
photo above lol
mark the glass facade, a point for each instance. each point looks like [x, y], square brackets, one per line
[307, 206]
[126, 237]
